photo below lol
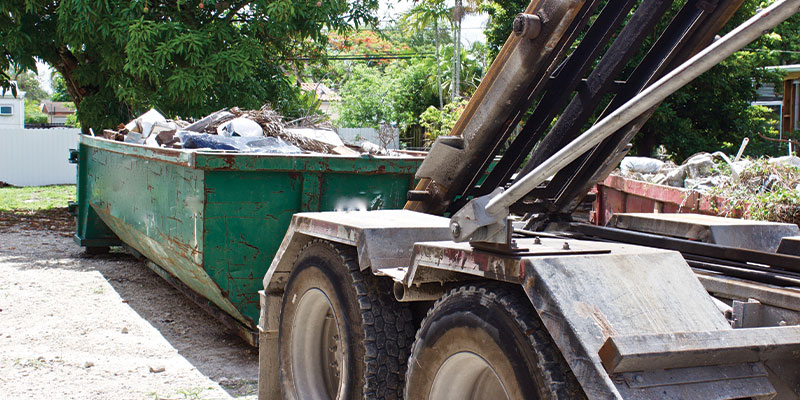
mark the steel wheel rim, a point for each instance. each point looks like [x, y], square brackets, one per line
[317, 355]
[467, 376]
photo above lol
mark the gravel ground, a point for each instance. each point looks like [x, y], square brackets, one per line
[74, 326]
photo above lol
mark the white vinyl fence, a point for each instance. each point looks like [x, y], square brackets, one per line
[37, 157]
[356, 136]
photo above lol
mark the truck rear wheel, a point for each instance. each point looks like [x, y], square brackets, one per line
[342, 336]
[486, 342]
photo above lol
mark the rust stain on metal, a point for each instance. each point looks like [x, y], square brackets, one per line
[591, 311]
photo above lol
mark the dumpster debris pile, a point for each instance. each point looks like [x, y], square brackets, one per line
[249, 131]
[699, 172]
[766, 188]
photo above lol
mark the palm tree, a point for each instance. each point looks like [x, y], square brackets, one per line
[424, 14]
[428, 12]
[458, 16]
[458, 12]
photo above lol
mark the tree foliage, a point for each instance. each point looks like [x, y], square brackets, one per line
[184, 57]
[60, 92]
[398, 92]
[440, 122]
[395, 96]
[714, 111]
[33, 113]
[28, 82]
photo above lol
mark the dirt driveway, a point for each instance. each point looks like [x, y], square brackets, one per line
[74, 326]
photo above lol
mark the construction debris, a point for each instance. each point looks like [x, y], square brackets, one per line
[765, 188]
[251, 131]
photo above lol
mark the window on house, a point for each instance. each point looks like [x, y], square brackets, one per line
[6, 110]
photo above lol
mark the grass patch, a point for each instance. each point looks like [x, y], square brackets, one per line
[35, 198]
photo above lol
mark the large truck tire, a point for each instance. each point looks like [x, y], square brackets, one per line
[341, 336]
[486, 342]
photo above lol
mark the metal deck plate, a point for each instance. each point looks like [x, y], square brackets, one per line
[746, 234]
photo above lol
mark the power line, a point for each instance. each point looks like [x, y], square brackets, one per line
[368, 57]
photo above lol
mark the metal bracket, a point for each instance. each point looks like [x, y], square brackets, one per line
[747, 314]
[473, 223]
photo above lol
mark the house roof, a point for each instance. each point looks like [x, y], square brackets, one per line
[323, 92]
[785, 68]
[57, 107]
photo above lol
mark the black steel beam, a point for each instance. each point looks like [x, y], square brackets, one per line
[564, 80]
[689, 32]
[579, 111]
[688, 247]
[522, 105]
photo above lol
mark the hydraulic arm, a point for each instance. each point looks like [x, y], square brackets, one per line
[556, 72]
[484, 219]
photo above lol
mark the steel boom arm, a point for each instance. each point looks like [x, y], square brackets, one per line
[484, 219]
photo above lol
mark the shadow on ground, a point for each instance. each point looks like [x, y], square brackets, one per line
[211, 347]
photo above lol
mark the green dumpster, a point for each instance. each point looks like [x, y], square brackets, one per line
[212, 221]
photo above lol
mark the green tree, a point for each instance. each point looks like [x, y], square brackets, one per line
[440, 122]
[60, 92]
[396, 95]
[33, 113]
[420, 17]
[713, 112]
[365, 99]
[501, 17]
[28, 82]
[185, 57]
[413, 91]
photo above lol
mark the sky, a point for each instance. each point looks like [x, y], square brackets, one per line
[471, 28]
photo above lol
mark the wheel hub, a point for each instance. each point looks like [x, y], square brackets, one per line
[316, 350]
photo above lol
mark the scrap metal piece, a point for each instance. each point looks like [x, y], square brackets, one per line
[510, 85]
[646, 352]
[641, 103]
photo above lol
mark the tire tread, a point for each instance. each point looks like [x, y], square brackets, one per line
[388, 329]
[560, 381]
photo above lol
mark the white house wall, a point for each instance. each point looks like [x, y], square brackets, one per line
[17, 117]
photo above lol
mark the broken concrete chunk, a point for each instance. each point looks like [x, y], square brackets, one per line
[166, 138]
[699, 166]
[643, 165]
[372, 148]
[792, 161]
[676, 177]
[135, 138]
[109, 134]
[345, 151]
